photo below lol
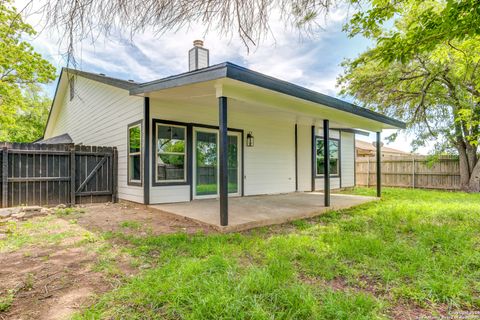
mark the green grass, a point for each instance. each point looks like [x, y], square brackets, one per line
[6, 300]
[417, 248]
[68, 211]
[130, 224]
[44, 230]
[208, 189]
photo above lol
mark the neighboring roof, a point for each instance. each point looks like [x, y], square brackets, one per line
[63, 138]
[370, 146]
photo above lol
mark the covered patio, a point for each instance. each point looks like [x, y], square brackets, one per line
[256, 211]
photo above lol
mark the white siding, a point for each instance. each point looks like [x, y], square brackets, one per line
[269, 166]
[304, 157]
[348, 159]
[99, 115]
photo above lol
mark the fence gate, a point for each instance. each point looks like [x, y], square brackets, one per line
[41, 174]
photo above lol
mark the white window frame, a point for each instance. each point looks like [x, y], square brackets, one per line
[184, 153]
[129, 154]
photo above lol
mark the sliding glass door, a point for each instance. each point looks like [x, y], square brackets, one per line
[206, 171]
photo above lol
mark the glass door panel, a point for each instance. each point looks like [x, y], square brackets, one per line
[206, 163]
[232, 164]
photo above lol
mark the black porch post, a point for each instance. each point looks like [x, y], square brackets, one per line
[314, 158]
[223, 163]
[146, 154]
[326, 162]
[379, 165]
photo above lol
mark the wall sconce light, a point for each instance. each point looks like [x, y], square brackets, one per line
[250, 139]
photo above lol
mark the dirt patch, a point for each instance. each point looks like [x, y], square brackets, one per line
[130, 218]
[49, 283]
[54, 280]
[410, 311]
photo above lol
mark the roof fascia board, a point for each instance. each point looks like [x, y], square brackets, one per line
[122, 84]
[202, 75]
[53, 103]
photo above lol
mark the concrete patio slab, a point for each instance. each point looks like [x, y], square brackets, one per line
[256, 211]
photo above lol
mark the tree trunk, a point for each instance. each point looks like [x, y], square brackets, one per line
[469, 168]
[474, 183]
[464, 167]
[471, 156]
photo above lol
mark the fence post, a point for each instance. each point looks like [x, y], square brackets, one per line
[72, 176]
[4, 177]
[413, 172]
[114, 174]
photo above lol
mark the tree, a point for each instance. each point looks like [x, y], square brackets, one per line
[437, 93]
[427, 23]
[437, 20]
[30, 121]
[21, 70]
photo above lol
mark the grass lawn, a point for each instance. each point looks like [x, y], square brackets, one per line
[208, 189]
[414, 253]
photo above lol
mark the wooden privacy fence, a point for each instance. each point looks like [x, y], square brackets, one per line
[410, 171]
[52, 174]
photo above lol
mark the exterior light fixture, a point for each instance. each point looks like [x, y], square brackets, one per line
[250, 139]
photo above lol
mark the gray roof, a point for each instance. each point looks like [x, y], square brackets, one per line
[61, 139]
[119, 83]
[235, 72]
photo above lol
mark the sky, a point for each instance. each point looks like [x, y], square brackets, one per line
[312, 61]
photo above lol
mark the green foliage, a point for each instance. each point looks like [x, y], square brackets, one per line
[135, 139]
[23, 109]
[6, 300]
[424, 24]
[413, 248]
[436, 93]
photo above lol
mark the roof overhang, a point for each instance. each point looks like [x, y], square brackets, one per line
[240, 83]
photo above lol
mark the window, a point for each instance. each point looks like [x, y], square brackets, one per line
[135, 154]
[72, 88]
[171, 153]
[334, 156]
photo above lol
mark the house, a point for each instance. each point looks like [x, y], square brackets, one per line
[214, 131]
[368, 149]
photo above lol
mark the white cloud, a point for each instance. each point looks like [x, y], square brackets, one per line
[312, 61]
[287, 56]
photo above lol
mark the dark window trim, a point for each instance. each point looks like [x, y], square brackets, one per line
[189, 150]
[131, 125]
[339, 174]
[155, 182]
[189, 127]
